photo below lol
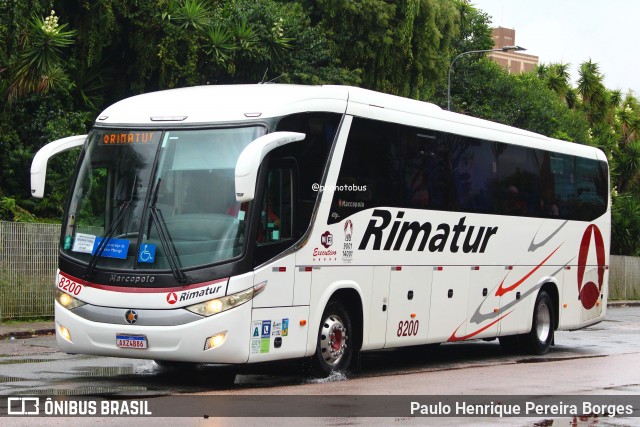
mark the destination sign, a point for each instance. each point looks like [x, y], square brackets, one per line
[130, 137]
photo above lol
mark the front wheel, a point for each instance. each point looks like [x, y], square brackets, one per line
[539, 339]
[335, 344]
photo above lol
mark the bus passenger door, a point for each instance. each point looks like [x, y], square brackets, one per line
[379, 308]
[274, 236]
[409, 308]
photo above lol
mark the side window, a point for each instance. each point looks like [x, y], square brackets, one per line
[427, 169]
[311, 157]
[519, 180]
[564, 194]
[591, 192]
[474, 174]
[276, 215]
[371, 173]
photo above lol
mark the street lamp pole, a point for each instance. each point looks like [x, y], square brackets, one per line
[501, 49]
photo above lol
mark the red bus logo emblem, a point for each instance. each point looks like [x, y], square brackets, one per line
[590, 292]
[172, 297]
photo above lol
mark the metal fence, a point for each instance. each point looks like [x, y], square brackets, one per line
[28, 263]
[29, 259]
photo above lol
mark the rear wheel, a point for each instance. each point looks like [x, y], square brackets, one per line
[335, 344]
[539, 339]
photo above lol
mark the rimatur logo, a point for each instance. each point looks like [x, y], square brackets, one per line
[172, 297]
[588, 290]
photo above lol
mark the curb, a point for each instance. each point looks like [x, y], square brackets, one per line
[26, 334]
[616, 304]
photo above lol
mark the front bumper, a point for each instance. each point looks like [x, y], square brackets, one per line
[184, 343]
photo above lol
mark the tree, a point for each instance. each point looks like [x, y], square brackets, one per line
[488, 91]
[594, 95]
[39, 66]
[399, 47]
[625, 225]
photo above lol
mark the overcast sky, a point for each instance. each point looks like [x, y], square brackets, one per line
[572, 31]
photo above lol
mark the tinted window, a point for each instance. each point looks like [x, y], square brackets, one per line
[309, 159]
[519, 180]
[474, 171]
[391, 165]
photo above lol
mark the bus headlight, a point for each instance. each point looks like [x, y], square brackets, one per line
[218, 305]
[67, 301]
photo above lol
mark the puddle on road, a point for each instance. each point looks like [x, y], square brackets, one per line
[107, 371]
[24, 360]
[86, 391]
[335, 376]
[5, 379]
[557, 359]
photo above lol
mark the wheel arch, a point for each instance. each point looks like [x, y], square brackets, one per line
[350, 295]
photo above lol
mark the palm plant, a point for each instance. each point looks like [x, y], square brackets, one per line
[221, 43]
[39, 66]
[592, 90]
[628, 166]
[189, 14]
[625, 225]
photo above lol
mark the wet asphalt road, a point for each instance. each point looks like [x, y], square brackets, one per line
[602, 359]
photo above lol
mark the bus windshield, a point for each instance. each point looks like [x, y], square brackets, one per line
[158, 199]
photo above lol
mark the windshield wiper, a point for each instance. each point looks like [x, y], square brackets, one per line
[109, 234]
[165, 238]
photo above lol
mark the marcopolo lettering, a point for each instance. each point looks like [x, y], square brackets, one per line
[117, 278]
[469, 238]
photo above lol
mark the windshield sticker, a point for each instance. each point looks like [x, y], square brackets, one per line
[115, 248]
[147, 253]
[84, 243]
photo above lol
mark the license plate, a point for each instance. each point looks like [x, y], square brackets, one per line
[131, 341]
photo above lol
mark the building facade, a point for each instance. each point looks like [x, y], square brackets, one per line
[514, 62]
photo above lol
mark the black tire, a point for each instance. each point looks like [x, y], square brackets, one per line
[540, 338]
[335, 343]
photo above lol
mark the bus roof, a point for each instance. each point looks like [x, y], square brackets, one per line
[201, 105]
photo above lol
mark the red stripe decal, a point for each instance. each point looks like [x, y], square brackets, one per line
[143, 290]
[454, 338]
[501, 291]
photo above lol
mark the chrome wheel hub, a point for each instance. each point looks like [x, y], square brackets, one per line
[543, 322]
[333, 340]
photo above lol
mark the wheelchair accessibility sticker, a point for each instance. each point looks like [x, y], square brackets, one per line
[147, 253]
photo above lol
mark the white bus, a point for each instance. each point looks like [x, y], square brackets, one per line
[251, 223]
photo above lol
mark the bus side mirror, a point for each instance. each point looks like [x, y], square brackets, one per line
[251, 157]
[39, 163]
